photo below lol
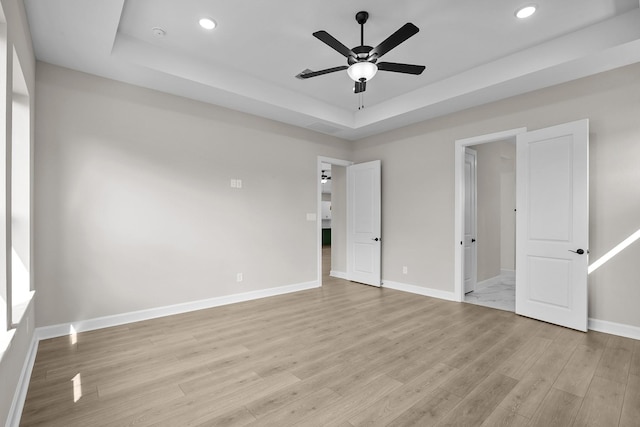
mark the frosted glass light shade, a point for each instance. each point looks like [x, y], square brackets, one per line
[362, 70]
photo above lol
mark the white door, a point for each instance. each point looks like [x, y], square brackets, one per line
[470, 221]
[363, 223]
[552, 224]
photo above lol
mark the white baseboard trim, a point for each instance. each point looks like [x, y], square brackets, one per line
[338, 274]
[60, 330]
[613, 328]
[419, 290]
[20, 395]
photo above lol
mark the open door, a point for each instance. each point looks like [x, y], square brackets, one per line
[552, 224]
[363, 223]
[470, 221]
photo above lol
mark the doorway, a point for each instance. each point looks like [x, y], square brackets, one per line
[332, 223]
[489, 238]
[506, 137]
[552, 225]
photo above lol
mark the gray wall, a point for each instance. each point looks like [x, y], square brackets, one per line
[135, 210]
[418, 183]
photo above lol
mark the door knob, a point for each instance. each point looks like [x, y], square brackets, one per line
[579, 251]
[473, 240]
[376, 239]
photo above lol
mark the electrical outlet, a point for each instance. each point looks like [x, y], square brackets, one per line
[405, 270]
[239, 183]
[239, 277]
[234, 183]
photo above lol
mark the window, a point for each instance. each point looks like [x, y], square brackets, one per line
[20, 194]
[15, 190]
[5, 312]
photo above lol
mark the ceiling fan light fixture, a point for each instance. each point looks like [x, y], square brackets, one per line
[207, 23]
[526, 11]
[362, 70]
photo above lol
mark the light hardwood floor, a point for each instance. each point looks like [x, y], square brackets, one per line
[342, 355]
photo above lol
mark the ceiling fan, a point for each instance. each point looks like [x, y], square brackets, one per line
[363, 60]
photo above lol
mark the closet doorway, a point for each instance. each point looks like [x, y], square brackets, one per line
[489, 240]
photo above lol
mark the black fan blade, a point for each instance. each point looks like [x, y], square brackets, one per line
[333, 43]
[401, 68]
[308, 73]
[360, 87]
[406, 31]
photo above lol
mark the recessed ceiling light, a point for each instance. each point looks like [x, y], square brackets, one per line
[158, 32]
[526, 11]
[207, 23]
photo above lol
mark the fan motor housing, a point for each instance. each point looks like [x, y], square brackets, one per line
[362, 54]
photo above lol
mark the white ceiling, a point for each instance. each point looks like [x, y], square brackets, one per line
[475, 52]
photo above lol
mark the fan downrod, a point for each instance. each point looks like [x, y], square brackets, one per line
[362, 51]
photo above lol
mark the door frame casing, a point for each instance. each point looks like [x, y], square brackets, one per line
[320, 161]
[459, 158]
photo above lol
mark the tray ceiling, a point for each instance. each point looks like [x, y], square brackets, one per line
[475, 52]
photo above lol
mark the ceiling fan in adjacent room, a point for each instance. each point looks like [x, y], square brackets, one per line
[363, 60]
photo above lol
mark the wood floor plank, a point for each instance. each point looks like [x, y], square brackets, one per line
[197, 409]
[395, 403]
[634, 369]
[615, 364]
[215, 383]
[472, 348]
[621, 342]
[481, 402]
[172, 372]
[236, 418]
[293, 412]
[502, 418]
[529, 392]
[487, 361]
[630, 416]
[429, 410]
[298, 390]
[522, 359]
[579, 370]
[602, 405]
[353, 403]
[558, 409]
